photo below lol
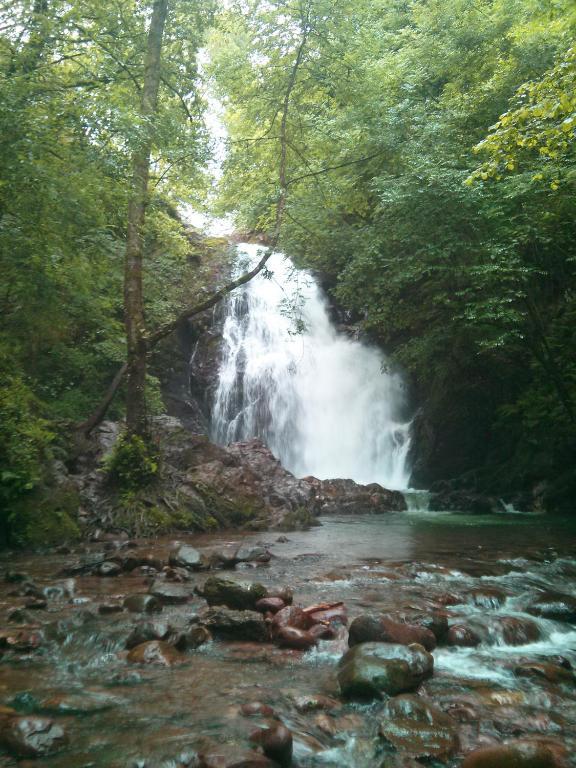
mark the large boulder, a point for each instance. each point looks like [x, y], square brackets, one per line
[370, 670]
[418, 728]
[233, 594]
[348, 497]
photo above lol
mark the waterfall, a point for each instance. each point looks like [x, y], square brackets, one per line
[325, 404]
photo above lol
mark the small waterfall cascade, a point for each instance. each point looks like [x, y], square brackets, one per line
[325, 404]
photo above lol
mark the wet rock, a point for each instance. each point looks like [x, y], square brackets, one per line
[488, 597]
[332, 614]
[186, 556]
[373, 628]
[232, 594]
[78, 704]
[463, 501]
[553, 673]
[105, 609]
[291, 616]
[171, 593]
[256, 709]
[19, 616]
[146, 631]
[284, 593]
[298, 639]
[436, 622]
[149, 560]
[231, 624]
[270, 605]
[347, 497]
[109, 568]
[417, 728]
[371, 669]
[142, 604]
[31, 736]
[23, 641]
[555, 606]
[252, 555]
[513, 755]
[462, 636]
[192, 638]
[179, 575]
[15, 577]
[323, 632]
[514, 630]
[61, 630]
[155, 652]
[314, 703]
[276, 743]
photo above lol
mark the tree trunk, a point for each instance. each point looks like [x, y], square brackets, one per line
[133, 297]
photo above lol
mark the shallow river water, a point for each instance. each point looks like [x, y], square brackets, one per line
[390, 563]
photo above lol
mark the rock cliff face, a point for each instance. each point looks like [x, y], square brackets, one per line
[203, 486]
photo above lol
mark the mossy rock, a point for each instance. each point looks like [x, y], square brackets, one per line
[45, 518]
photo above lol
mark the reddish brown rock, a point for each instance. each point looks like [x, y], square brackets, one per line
[155, 652]
[270, 605]
[553, 673]
[298, 639]
[276, 743]
[370, 628]
[518, 631]
[291, 616]
[418, 729]
[323, 632]
[462, 636]
[256, 708]
[520, 754]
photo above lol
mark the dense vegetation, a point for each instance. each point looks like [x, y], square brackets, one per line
[431, 183]
[70, 83]
[424, 152]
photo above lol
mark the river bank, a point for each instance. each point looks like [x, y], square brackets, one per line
[65, 628]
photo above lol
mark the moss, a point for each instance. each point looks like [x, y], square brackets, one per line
[45, 518]
[299, 519]
[132, 464]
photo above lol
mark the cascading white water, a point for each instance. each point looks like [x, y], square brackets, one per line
[325, 404]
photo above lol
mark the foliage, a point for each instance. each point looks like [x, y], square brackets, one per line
[132, 464]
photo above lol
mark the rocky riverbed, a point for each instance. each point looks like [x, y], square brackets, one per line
[386, 641]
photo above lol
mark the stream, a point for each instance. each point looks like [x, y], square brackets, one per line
[476, 570]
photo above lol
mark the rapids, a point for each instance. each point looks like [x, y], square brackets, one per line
[388, 563]
[325, 404]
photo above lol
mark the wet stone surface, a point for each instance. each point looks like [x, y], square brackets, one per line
[226, 650]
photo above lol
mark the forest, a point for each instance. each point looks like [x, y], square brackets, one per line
[417, 156]
[288, 383]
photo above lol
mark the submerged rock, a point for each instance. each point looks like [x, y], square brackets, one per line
[371, 669]
[235, 625]
[142, 604]
[298, 639]
[419, 729]
[155, 652]
[171, 593]
[555, 606]
[372, 628]
[520, 754]
[31, 736]
[462, 636]
[276, 743]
